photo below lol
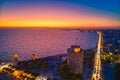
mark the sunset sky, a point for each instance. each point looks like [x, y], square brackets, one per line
[60, 13]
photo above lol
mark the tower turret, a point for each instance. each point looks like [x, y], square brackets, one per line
[34, 56]
[75, 59]
[15, 56]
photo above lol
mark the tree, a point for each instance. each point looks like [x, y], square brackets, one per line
[64, 71]
[117, 72]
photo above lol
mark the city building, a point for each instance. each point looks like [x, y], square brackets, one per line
[75, 59]
[111, 41]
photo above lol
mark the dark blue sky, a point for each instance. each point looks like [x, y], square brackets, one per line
[109, 6]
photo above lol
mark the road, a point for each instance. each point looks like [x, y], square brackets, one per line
[96, 75]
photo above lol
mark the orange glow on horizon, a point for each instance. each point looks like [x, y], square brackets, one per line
[54, 18]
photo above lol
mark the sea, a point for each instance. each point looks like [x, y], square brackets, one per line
[42, 41]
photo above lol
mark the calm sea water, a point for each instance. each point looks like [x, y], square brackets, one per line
[42, 42]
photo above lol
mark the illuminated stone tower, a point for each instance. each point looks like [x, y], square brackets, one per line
[15, 56]
[75, 59]
[34, 57]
